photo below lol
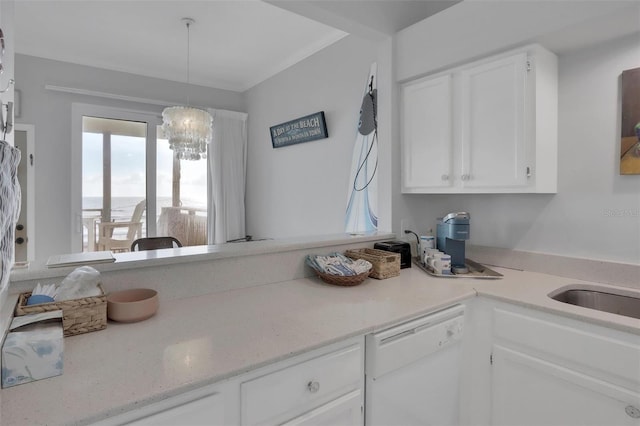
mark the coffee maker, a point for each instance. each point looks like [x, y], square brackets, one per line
[451, 233]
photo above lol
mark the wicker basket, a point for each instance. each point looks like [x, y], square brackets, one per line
[78, 315]
[343, 280]
[385, 264]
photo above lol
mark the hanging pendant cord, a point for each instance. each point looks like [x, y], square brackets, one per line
[188, 55]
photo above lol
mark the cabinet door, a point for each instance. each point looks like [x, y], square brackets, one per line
[426, 137]
[346, 411]
[530, 391]
[492, 124]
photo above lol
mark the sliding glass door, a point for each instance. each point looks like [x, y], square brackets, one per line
[114, 181]
[129, 183]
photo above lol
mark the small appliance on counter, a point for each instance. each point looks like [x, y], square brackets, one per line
[395, 246]
[448, 259]
[452, 232]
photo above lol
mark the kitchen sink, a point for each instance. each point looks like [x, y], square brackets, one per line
[613, 300]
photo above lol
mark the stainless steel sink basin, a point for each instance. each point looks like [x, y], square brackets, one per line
[615, 301]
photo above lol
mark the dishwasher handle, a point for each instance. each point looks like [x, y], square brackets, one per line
[405, 333]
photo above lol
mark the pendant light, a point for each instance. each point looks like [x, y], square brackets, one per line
[188, 129]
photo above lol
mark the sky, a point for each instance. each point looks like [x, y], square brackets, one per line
[128, 169]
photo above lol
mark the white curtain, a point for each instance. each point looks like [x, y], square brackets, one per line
[10, 196]
[227, 162]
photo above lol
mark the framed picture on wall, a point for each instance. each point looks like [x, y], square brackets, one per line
[630, 132]
[304, 129]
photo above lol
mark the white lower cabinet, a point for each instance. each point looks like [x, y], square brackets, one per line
[530, 391]
[550, 370]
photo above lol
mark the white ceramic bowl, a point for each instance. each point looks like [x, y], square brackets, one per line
[132, 305]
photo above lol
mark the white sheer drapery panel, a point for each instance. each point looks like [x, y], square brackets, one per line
[227, 162]
[9, 208]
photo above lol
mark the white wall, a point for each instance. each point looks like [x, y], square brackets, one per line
[302, 189]
[50, 112]
[473, 29]
[596, 213]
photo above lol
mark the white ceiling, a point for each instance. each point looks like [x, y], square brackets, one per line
[234, 44]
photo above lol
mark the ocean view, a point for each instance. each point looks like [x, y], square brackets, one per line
[122, 210]
[122, 207]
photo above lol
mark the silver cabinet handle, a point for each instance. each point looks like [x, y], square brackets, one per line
[313, 386]
[465, 177]
[444, 177]
[632, 411]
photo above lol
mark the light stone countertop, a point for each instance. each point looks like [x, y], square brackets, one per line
[230, 332]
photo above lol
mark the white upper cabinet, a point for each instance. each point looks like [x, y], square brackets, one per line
[492, 124]
[485, 127]
[426, 112]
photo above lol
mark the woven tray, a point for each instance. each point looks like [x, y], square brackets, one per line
[385, 263]
[341, 280]
[78, 315]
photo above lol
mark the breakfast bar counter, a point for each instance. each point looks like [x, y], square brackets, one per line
[196, 341]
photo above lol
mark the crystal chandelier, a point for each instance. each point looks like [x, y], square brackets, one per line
[188, 129]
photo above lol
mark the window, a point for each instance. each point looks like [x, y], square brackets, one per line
[129, 184]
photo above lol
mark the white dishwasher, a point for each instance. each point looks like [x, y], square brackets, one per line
[413, 371]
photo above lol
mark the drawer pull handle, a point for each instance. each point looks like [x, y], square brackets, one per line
[313, 386]
[632, 411]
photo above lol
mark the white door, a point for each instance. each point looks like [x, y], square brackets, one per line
[530, 391]
[25, 227]
[492, 124]
[427, 136]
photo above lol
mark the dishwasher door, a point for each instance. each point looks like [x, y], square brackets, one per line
[412, 371]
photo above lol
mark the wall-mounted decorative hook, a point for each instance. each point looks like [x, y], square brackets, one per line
[6, 125]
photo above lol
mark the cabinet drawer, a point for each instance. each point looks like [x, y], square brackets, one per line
[301, 387]
[596, 354]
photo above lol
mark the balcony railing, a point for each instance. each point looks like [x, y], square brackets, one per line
[187, 224]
